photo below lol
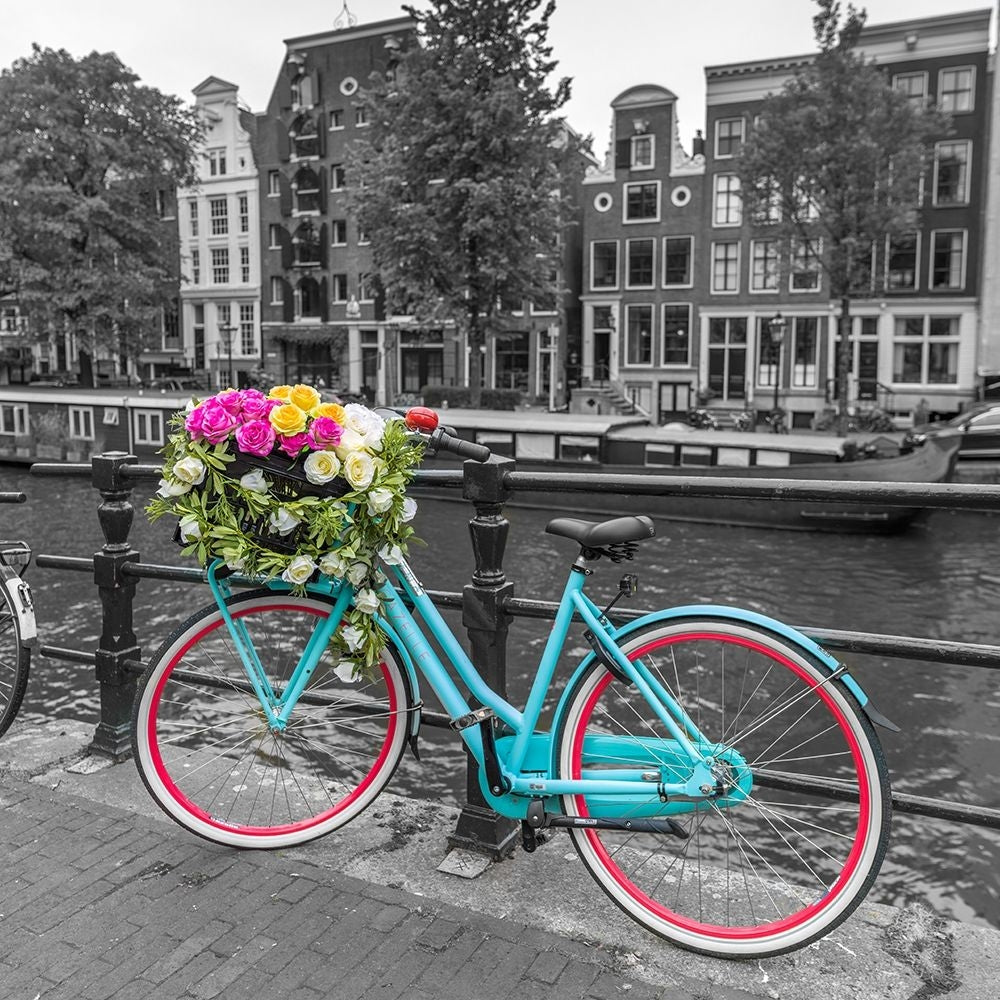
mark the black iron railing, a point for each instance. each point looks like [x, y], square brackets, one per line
[488, 603]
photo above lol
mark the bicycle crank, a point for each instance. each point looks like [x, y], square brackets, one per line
[539, 819]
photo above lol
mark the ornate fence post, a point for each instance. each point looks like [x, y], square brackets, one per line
[479, 827]
[117, 642]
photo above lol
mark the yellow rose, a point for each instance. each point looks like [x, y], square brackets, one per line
[332, 410]
[280, 392]
[359, 470]
[287, 419]
[305, 397]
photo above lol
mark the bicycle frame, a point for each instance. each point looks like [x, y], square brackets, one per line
[527, 756]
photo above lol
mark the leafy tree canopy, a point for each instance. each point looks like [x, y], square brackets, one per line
[458, 181]
[83, 149]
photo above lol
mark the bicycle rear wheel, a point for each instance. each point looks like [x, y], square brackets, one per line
[15, 662]
[212, 763]
[755, 877]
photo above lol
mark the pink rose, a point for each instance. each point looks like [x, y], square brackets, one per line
[192, 422]
[255, 438]
[325, 433]
[292, 444]
[230, 400]
[255, 405]
[216, 421]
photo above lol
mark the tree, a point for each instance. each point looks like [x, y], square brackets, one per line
[833, 167]
[458, 181]
[84, 149]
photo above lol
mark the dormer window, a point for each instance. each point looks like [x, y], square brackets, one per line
[642, 157]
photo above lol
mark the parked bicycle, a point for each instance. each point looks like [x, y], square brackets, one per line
[17, 623]
[775, 419]
[717, 771]
[702, 419]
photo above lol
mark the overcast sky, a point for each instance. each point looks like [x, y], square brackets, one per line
[606, 46]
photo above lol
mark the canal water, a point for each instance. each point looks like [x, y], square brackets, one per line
[940, 581]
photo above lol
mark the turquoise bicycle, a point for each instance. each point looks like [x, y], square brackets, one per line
[717, 771]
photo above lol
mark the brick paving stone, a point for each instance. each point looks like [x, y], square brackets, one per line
[547, 967]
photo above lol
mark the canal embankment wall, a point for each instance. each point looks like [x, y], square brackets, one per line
[540, 909]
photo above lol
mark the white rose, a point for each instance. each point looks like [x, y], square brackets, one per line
[283, 521]
[409, 509]
[391, 554]
[299, 570]
[321, 466]
[379, 500]
[168, 488]
[359, 469]
[366, 422]
[357, 572]
[353, 637]
[350, 441]
[366, 601]
[189, 470]
[332, 564]
[346, 670]
[255, 482]
[190, 528]
[234, 563]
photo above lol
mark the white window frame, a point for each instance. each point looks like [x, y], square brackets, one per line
[646, 219]
[274, 236]
[334, 223]
[663, 264]
[248, 329]
[220, 265]
[216, 162]
[966, 179]
[336, 127]
[634, 161]
[628, 256]
[727, 205]
[916, 265]
[618, 267]
[925, 340]
[716, 246]
[245, 265]
[794, 270]
[803, 376]
[971, 70]
[277, 291]
[147, 427]
[193, 216]
[742, 138]
[81, 423]
[663, 334]
[338, 287]
[627, 330]
[273, 183]
[19, 423]
[918, 99]
[775, 286]
[964, 263]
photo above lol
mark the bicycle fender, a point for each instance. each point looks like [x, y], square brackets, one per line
[733, 614]
[24, 608]
[411, 672]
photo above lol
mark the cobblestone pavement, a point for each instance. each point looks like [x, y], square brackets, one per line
[98, 903]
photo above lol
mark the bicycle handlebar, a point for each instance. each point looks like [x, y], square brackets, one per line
[424, 421]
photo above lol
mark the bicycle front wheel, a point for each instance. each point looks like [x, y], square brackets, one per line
[764, 871]
[15, 662]
[206, 753]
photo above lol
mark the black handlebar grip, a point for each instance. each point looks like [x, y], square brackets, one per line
[443, 441]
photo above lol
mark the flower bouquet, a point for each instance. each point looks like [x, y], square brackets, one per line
[285, 485]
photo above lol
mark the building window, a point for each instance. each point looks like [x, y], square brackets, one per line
[766, 202]
[727, 356]
[216, 162]
[337, 118]
[640, 263]
[902, 254]
[639, 335]
[804, 351]
[728, 203]
[274, 236]
[913, 85]
[925, 350]
[245, 265]
[728, 137]
[643, 156]
[765, 266]
[307, 198]
[948, 259]
[193, 216]
[951, 173]
[676, 335]
[338, 177]
[220, 266]
[244, 210]
[277, 291]
[361, 116]
[195, 267]
[725, 267]
[13, 419]
[147, 426]
[806, 266]
[955, 89]
[304, 133]
[678, 252]
[338, 283]
[81, 423]
[642, 202]
[218, 212]
[305, 244]
[273, 183]
[363, 238]
[248, 329]
[338, 232]
[366, 287]
[604, 264]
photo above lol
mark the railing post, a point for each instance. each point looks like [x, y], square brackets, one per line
[117, 592]
[479, 828]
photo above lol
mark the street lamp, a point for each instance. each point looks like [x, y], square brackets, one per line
[776, 328]
[226, 334]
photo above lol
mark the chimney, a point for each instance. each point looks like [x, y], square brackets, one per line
[698, 145]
